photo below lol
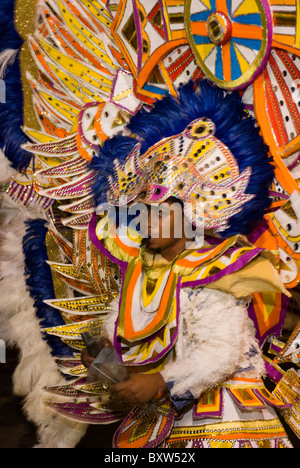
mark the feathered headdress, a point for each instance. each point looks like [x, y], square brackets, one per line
[203, 147]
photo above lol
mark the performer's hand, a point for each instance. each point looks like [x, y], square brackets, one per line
[88, 360]
[141, 388]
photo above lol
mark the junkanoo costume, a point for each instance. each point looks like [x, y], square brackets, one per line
[188, 319]
[100, 81]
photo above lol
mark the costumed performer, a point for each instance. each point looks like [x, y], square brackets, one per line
[181, 325]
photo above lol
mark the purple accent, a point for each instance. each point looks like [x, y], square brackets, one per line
[210, 414]
[73, 167]
[277, 329]
[249, 107]
[100, 246]
[277, 194]
[295, 164]
[161, 5]
[108, 10]
[122, 264]
[62, 150]
[80, 412]
[31, 193]
[238, 265]
[134, 415]
[213, 240]
[275, 348]
[139, 34]
[272, 373]
[161, 192]
[258, 231]
[13, 188]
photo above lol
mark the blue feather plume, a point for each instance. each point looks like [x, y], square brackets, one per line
[11, 111]
[40, 284]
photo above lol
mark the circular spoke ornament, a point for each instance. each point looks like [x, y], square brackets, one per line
[231, 39]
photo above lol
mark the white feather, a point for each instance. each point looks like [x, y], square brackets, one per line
[20, 327]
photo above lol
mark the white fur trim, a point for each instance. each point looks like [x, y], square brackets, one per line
[215, 337]
[7, 57]
[20, 327]
[6, 171]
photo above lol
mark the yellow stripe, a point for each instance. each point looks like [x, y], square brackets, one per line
[297, 39]
[85, 36]
[97, 10]
[65, 110]
[76, 68]
[241, 429]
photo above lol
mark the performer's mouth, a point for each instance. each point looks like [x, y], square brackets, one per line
[145, 242]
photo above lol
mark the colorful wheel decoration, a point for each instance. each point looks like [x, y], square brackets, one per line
[231, 39]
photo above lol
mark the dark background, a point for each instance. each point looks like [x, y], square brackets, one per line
[17, 432]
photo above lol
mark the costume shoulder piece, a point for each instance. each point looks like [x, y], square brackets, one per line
[114, 102]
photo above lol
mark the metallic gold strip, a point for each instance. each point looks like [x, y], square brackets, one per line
[228, 429]
[284, 19]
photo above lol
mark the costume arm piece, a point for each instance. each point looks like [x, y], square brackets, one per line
[216, 340]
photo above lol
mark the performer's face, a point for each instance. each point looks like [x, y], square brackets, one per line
[165, 225]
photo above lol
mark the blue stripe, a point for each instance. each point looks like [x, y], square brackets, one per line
[203, 16]
[229, 8]
[251, 43]
[155, 90]
[236, 71]
[219, 64]
[201, 40]
[253, 19]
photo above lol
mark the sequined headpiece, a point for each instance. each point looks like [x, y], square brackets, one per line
[194, 167]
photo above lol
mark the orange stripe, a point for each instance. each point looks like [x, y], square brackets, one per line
[282, 2]
[287, 40]
[131, 251]
[157, 57]
[199, 29]
[221, 5]
[245, 31]
[128, 325]
[187, 263]
[244, 379]
[279, 45]
[282, 174]
[226, 61]
[273, 319]
[267, 241]
[167, 79]
[174, 2]
[231, 436]
[97, 123]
